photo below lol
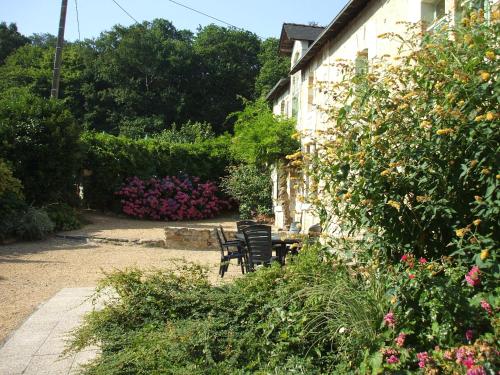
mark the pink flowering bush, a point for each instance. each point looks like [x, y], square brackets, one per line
[443, 318]
[171, 198]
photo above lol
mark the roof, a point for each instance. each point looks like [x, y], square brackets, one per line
[292, 31]
[278, 88]
[350, 10]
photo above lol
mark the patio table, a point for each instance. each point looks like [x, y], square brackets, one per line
[281, 245]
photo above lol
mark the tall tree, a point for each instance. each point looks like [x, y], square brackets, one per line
[273, 67]
[10, 40]
[229, 66]
[140, 71]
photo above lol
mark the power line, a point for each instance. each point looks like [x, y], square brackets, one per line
[127, 13]
[77, 19]
[204, 14]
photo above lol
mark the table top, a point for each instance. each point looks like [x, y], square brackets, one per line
[275, 239]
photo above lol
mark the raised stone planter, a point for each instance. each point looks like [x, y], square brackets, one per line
[192, 238]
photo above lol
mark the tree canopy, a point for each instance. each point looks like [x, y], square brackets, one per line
[149, 75]
[10, 40]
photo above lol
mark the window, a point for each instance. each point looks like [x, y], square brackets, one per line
[310, 91]
[361, 63]
[295, 95]
[433, 11]
[282, 108]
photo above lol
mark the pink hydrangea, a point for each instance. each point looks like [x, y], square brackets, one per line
[404, 258]
[476, 370]
[390, 319]
[472, 276]
[171, 198]
[422, 260]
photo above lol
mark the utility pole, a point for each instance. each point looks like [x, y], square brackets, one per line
[54, 93]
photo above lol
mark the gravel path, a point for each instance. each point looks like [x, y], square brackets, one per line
[32, 272]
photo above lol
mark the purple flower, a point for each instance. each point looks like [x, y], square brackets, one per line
[469, 334]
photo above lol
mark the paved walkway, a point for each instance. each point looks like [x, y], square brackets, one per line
[36, 347]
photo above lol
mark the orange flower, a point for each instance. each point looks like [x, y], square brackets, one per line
[485, 76]
[490, 55]
[445, 131]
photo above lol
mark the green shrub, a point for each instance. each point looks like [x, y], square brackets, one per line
[39, 138]
[33, 224]
[110, 160]
[63, 216]
[276, 320]
[189, 132]
[260, 137]
[140, 127]
[11, 201]
[251, 187]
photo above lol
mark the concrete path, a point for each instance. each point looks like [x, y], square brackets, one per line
[36, 347]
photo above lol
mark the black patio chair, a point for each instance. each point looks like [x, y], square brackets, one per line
[229, 250]
[235, 242]
[259, 245]
[242, 224]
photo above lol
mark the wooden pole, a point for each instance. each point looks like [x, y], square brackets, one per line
[54, 93]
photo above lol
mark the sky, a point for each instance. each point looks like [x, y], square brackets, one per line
[263, 17]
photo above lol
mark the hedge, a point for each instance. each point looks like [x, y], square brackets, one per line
[109, 160]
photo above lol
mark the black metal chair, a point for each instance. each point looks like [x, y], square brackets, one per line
[227, 254]
[242, 224]
[259, 245]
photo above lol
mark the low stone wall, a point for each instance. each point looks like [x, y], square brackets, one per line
[192, 238]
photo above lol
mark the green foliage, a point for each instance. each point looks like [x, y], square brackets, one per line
[251, 187]
[33, 224]
[273, 67]
[228, 67]
[259, 137]
[8, 183]
[11, 201]
[41, 140]
[190, 132]
[412, 154]
[63, 216]
[149, 75]
[111, 160]
[276, 320]
[10, 40]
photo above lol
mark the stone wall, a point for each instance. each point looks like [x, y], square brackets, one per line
[192, 238]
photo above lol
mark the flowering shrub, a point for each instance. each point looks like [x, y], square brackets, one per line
[410, 165]
[171, 198]
[442, 319]
[411, 153]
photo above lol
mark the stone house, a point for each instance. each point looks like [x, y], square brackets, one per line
[353, 35]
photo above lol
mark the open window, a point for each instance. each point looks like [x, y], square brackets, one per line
[433, 13]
